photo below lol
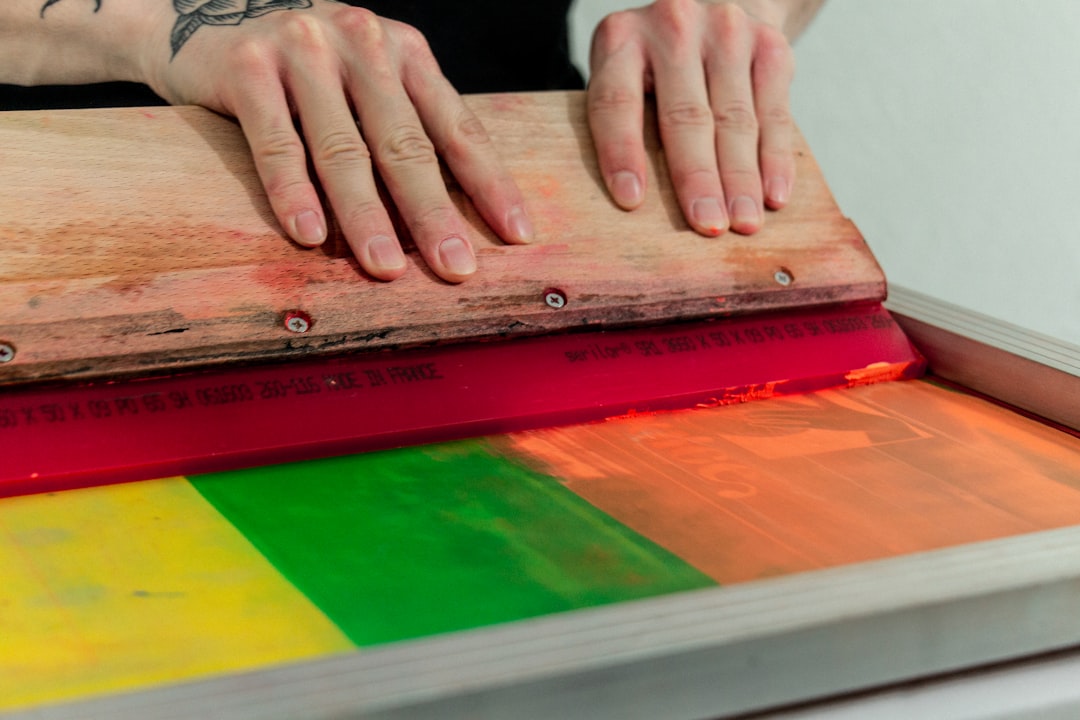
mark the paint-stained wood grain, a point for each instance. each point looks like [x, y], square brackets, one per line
[135, 240]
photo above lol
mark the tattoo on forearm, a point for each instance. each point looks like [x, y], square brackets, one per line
[196, 13]
[193, 14]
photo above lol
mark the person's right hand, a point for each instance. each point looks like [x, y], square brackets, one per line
[367, 95]
[720, 75]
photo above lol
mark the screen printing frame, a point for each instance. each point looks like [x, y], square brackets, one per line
[728, 651]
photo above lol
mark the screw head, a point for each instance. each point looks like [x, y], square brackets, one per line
[7, 352]
[555, 298]
[297, 321]
[783, 277]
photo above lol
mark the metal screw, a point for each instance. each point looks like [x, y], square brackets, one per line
[297, 321]
[783, 276]
[555, 298]
[7, 352]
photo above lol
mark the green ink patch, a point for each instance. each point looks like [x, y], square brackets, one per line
[412, 542]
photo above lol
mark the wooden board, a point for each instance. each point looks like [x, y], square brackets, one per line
[139, 240]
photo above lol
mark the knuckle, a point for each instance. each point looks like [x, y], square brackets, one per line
[412, 39]
[778, 117]
[611, 99]
[614, 31]
[677, 16]
[470, 129]
[728, 16]
[771, 41]
[277, 146]
[740, 176]
[466, 136]
[432, 220]
[773, 54]
[364, 32]
[417, 61]
[249, 58]
[736, 117]
[303, 31]
[363, 213]
[281, 186]
[727, 22]
[358, 22]
[339, 148]
[685, 115]
[406, 144]
[693, 176]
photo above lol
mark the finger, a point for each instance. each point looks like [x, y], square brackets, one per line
[280, 160]
[342, 160]
[407, 163]
[687, 131]
[728, 65]
[462, 141]
[772, 72]
[615, 110]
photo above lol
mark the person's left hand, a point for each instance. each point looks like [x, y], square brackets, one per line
[351, 95]
[721, 78]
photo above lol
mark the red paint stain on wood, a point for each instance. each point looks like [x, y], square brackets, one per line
[548, 186]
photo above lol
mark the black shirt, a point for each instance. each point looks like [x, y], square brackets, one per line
[481, 46]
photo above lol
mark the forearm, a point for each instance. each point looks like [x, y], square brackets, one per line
[790, 16]
[76, 41]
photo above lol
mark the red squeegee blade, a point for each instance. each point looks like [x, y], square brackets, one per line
[66, 437]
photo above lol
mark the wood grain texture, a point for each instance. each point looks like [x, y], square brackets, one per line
[138, 240]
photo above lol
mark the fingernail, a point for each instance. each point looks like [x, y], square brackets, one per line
[309, 228]
[521, 227]
[385, 253]
[457, 256]
[744, 211]
[777, 190]
[626, 189]
[710, 215]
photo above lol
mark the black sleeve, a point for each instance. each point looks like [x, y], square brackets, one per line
[48, 97]
[481, 46]
[493, 45]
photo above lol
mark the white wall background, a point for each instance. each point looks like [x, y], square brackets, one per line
[949, 131]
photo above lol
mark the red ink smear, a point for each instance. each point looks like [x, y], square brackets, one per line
[878, 372]
[748, 394]
[731, 396]
[632, 414]
[148, 114]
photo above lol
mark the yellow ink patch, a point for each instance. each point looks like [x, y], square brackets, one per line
[123, 587]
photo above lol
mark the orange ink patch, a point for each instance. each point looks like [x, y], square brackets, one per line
[810, 481]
